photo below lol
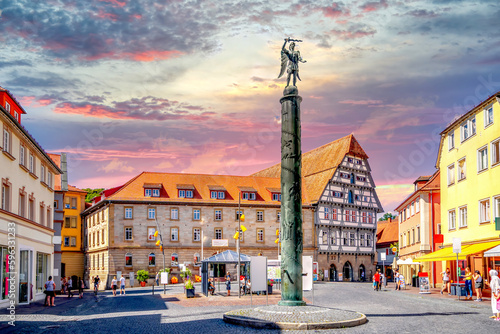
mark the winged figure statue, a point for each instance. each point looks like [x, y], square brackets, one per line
[290, 60]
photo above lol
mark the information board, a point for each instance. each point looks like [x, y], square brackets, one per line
[307, 273]
[258, 273]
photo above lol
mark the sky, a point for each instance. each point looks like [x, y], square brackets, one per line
[191, 86]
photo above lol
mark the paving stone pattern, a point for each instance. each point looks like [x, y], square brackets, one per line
[388, 311]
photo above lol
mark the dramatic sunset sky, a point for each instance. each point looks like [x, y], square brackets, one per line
[190, 86]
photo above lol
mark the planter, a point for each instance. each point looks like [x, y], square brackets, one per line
[269, 289]
[190, 293]
[143, 284]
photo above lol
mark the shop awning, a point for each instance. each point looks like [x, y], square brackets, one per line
[493, 252]
[445, 254]
[407, 262]
[479, 248]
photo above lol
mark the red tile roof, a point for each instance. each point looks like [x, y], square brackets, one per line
[387, 231]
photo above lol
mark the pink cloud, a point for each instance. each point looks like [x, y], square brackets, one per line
[361, 102]
[115, 3]
[335, 10]
[373, 6]
[353, 33]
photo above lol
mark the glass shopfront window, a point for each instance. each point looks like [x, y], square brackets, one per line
[42, 271]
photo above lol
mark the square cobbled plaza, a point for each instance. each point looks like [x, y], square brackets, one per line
[142, 310]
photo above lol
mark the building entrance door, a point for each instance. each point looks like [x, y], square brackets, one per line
[25, 268]
[347, 271]
[333, 273]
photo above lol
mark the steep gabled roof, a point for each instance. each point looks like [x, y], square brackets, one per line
[387, 231]
[431, 185]
[319, 165]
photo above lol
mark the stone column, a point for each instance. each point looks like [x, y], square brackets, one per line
[291, 199]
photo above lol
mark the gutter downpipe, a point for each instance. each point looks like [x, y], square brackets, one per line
[432, 243]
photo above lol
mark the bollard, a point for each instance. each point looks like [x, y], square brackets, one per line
[153, 289]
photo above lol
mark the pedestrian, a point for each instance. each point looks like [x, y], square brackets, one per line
[496, 296]
[376, 280]
[122, 285]
[228, 283]
[157, 279]
[80, 287]
[63, 285]
[70, 287]
[468, 283]
[494, 285]
[211, 286]
[396, 279]
[478, 285]
[446, 281]
[97, 280]
[113, 285]
[50, 289]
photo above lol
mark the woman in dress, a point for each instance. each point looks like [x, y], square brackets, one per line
[494, 286]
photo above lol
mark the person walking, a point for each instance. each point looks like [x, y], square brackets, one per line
[70, 287]
[228, 283]
[478, 285]
[122, 285]
[494, 285]
[113, 285]
[396, 279]
[157, 279]
[446, 281]
[468, 283]
[80, 287]
[50, 289]
[97, 280]
[376, 280]
[63, 285]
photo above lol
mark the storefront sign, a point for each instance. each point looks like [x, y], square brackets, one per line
[457, 245]
[424, 282]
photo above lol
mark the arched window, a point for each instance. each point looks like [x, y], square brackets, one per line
[152, 260]
[175, 260]
[128, 260]
[362, 273]
[351, 199]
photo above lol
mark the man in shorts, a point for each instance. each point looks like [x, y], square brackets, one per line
[122, 285]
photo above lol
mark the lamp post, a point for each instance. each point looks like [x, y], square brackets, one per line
[238, 244]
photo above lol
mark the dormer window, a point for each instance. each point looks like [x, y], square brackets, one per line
[185, 193]
[275, 194]
[152, 189]
[277, 197]
[217, 192]
[248, 193]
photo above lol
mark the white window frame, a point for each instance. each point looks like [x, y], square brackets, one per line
[484, 211]
[197, 234]
[468, 128]
[129, 230]
[218, 234]
[129, 213]
[182, 194]
[252, 196]
[156, 193]
[462, 216]
[148, 192]
[451, 174]
[496, 203]
[218, 215]
[452, 220]
[326, 211]
[189, 194]
[22, 155]
[196, 214]
[151, 234]
[213, 194]
[495, 152]
[174, 213]
[462, 169]
[482, 159]
[451, 140]
[487, 119]
[260, 235]
[417, 205]
[221, 195]
[174, 234]
[151, 213]
[260, 216]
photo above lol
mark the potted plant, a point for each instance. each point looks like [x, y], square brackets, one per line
[185, 274]
[189, 288]
[270, 287]
[142, 277]
[174, 280]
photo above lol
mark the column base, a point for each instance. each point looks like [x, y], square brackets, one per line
[292, 303]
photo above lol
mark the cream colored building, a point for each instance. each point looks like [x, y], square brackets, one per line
[26, 212]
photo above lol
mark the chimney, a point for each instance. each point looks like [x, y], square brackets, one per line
[64, 176]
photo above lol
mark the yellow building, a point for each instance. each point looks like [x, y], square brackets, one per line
[469, 161]
[71, 233]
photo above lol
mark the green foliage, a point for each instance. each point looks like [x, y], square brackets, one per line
[188, 284]
[396, 244]
[386, 216]
[91, 193]
[142, 275]
[186, 273]
[166, 270]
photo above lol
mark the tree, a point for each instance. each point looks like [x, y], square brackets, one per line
[386, 216]
[91, 193]
[396, 244]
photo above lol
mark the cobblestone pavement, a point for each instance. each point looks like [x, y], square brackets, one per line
[139, 311]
